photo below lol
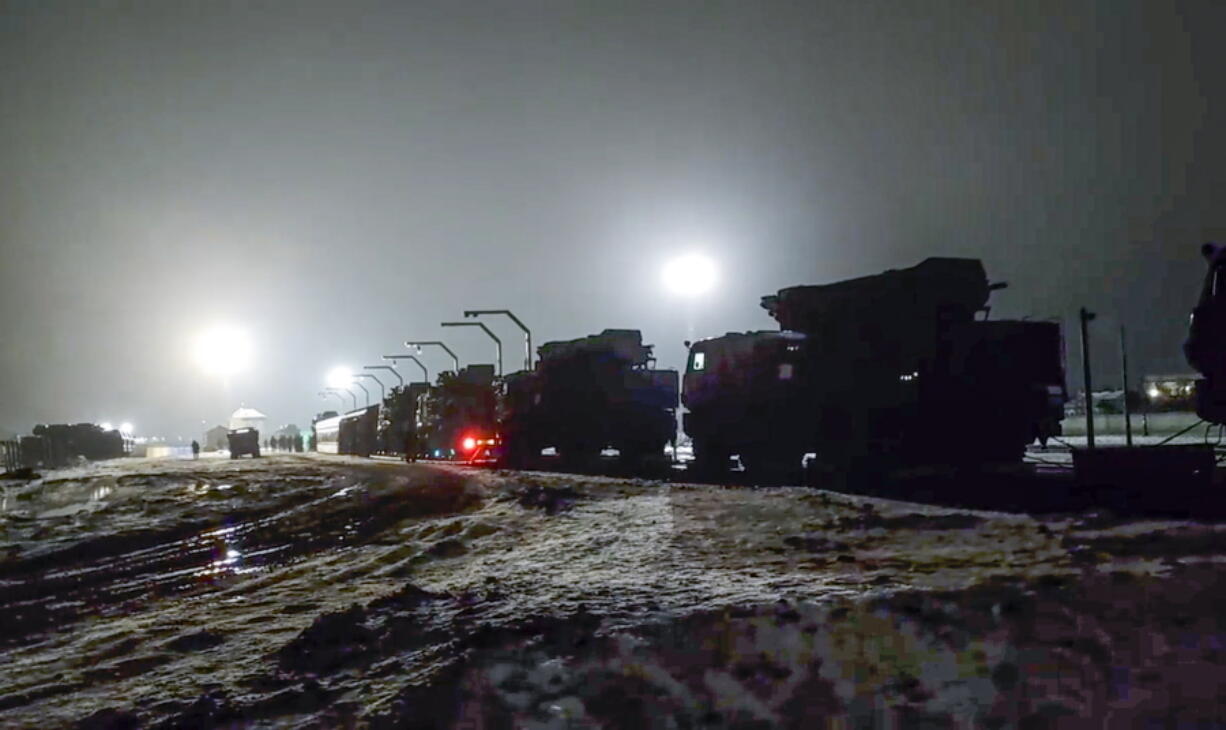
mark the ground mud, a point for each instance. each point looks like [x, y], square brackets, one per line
[324, 592]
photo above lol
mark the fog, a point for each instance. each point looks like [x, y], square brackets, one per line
[337, 178]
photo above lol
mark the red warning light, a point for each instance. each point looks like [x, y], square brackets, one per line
[470, 443]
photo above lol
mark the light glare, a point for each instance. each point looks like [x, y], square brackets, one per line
[689, 275]
[340, 377]
[223, 351]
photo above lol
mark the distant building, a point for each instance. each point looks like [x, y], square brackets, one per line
[1170, 392]
[215, 439]
[247, 418]
[1105, 401]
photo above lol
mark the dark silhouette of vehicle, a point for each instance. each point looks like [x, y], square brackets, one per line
[589, 394]
[875, 373]
[457, 418]
[244, 442]
[1205, 348]
[60, 444]
[397, 426]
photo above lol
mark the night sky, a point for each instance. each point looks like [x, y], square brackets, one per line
[336, 178]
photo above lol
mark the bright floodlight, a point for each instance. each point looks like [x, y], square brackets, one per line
[340, 377]
[223, 351]
[689, 275]
[125, 427]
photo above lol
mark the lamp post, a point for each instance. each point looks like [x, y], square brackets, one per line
[325, 393]
[1086, 317]
[364, 390]
[455, 360]
[382, 390]
[425, 373]
[391, 370]
[522, 326]
[497, 342]
[351, 395]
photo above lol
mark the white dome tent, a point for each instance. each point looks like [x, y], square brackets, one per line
[247, 418]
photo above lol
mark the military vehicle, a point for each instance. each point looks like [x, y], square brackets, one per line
[876, 372]
[589, 394]
[457, 417]
[63, 443]
[243, 442]
[1205, 348]
[398, 419]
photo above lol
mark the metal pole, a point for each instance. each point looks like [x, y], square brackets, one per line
[454, 360]
[425, 372]
[382, 390]
[364, 390]
[391, 370]
[1086, 317]
[325, 394]
[497, 342]
[351, 396]
[1127, 408]
[516, 320]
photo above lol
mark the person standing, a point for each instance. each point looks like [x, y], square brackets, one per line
[195, 449]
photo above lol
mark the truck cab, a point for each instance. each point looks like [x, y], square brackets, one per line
[244, 442]
[745, 395]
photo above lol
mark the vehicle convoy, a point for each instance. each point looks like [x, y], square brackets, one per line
[243, 442]
[397, 427]
[587, 395]
[873, 373]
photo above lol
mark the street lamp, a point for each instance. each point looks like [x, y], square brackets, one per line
[689, 275]
[522, 326]
[329, 392]
[391, 370]
[497, 342]
[382, 390]
[339, 377]
[223, 351]
[455, 360]
[364, 390]
[345, 390]
[425, 373]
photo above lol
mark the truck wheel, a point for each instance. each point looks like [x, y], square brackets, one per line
[710, 459]
[771, 467]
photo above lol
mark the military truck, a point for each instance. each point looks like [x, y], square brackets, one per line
[1205, 348]
[589, 394]
[457, 417]
[874, 373]
[243, 442]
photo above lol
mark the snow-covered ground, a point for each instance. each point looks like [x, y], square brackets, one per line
[324, 591]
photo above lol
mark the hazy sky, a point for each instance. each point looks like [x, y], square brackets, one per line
[339, 177]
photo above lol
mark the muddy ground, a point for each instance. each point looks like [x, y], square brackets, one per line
[307, 591]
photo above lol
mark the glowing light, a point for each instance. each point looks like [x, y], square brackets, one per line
[106, 426]
[223, 351]
[1153, 392]
[340, 377]
[690, 275]
[125, 428]
[470, 443]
